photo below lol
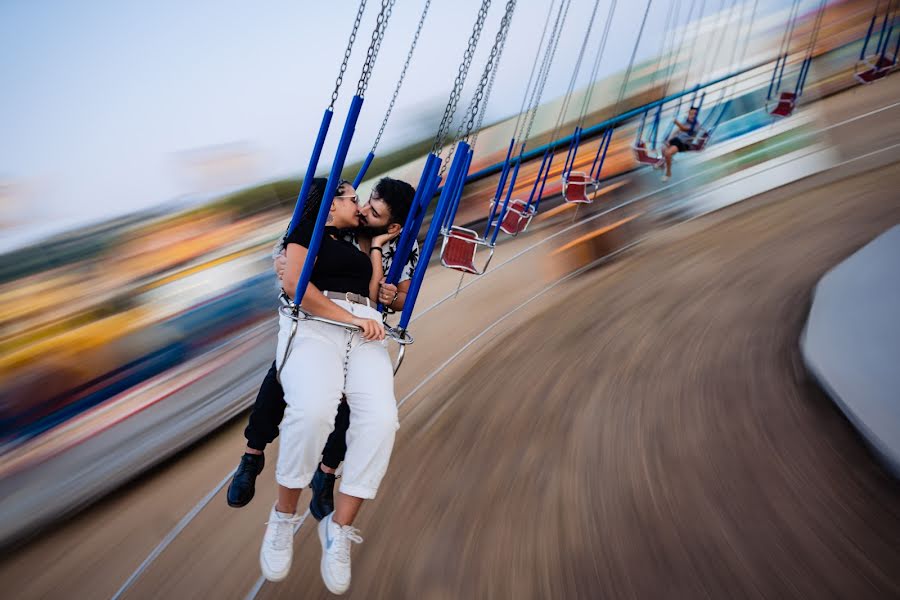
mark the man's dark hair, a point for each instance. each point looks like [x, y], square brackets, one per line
[398, 195]
[693, 108]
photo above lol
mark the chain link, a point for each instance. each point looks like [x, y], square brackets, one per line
[374, 46]
[409, 56]
[340, 77]
[490, 88]
[489, 69]
[554, 42]
[485, 84]
[585, 105]
[458, 83]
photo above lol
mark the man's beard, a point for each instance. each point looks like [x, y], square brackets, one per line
[370, 232]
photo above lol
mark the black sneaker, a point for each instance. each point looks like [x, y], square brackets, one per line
[243, 484]
[322, 502]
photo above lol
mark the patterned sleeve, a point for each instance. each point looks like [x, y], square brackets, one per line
[410, 267]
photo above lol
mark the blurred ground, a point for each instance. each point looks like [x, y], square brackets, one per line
[664, 443]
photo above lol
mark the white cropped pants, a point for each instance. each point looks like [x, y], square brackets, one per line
[326, 362]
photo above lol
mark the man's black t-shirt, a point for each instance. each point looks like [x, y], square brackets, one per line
[340, 266]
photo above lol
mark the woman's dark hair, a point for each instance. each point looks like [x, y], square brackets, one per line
[313, 203]
[398, 195]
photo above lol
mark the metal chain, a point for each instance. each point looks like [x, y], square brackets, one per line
[537, 57]
[596, 68]
[587, 35]
[541, 71]
[460, 80]
[374, 46]
[630, 68]
[409, 56]
[543, 81]
[490, 88]
[467, 122]
[489, 69]
[340, 77]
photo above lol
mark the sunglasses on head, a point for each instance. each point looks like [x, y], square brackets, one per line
[340, 188]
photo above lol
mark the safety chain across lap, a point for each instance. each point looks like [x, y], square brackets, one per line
[460, 80]
[409, 56]
[381, 24]
[347, 52]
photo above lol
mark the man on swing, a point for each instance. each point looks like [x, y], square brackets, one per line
[681, 141]
[381, 219]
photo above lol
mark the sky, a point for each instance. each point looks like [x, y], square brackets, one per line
[111, 107]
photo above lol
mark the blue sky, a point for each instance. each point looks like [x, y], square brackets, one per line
[105, 104]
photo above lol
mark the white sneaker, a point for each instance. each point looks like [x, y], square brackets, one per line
[278, 545]
[336, 553]
[666, 177]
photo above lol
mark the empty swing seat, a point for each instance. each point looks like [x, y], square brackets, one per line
[875, 71]
[786, 104]
[517, 218]
[643, 156]
[699, 142]
[575, 187]
[458, 251]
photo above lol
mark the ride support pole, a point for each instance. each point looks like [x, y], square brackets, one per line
[363, 169]
[509, 191]
[887, 40]
[311, 169]
[862, 54]
[881, 35]
[537, 202]
[434, 231]
[501, 185]
[409, 230]
[458, 188]
[330, 189]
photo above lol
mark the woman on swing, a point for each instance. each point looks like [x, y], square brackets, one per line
[681, 141]
[324, 363]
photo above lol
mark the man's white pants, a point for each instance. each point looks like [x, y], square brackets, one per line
[326, 362]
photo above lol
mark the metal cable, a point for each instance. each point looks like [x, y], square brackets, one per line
[409, 56]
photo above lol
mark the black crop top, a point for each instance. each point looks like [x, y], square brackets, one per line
[340, 266]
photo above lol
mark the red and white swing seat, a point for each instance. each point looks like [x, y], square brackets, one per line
[698, 142]
[459, 250]
[786, 104]
[643, 156]
[575, 186]
[873, 70]
[517, 218]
